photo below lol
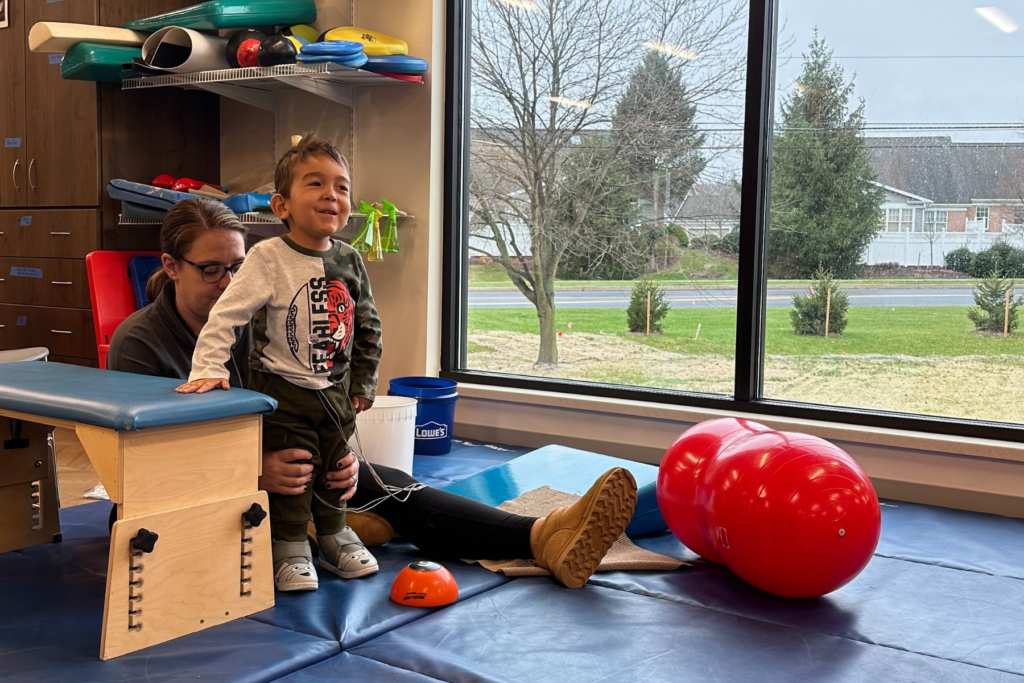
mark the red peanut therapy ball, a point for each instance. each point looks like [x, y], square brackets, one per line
[789, 513]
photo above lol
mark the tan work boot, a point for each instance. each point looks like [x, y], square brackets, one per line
[371, 528]
[572, 541]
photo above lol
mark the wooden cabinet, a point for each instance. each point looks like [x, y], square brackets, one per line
[49, 126]
[65, 331]
[13, 160]
[53, 233]
[64, 141]
[62, 118]
[44, 282]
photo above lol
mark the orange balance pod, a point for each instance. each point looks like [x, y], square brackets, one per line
[791, 514]
[424, 584]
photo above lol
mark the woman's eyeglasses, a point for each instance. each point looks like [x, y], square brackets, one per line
[214, 272]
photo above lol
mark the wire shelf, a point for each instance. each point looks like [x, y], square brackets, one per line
[261, 224]
[270, 79]
[252, 218]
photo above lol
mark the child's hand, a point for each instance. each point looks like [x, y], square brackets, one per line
[201, 386]
[361, 404]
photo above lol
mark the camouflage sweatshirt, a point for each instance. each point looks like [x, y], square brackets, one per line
[314, 320]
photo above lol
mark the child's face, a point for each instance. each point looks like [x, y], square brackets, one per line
[318, 203]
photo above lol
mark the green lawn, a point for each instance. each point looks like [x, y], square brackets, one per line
[908, 331]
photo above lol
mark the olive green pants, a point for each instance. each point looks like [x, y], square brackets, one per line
[302, 421]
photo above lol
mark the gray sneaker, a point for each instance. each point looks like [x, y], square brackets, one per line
[345, 555]
[293, 566]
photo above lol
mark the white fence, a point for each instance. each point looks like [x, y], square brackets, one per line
[922, 249]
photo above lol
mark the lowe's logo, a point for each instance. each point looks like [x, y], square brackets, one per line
[431, 430]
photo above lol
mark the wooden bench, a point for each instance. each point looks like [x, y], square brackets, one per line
[190, 548]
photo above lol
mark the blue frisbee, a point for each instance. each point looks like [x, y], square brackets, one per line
[333, 47]
[396, 64]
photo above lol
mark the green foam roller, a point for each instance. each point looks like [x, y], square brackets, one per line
[221, 14]
[94, 62]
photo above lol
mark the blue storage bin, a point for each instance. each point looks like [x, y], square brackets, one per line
[435, 411]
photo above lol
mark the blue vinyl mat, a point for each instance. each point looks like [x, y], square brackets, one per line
[941, 601]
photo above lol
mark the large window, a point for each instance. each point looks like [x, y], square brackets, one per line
[604, 154]
[874, 110]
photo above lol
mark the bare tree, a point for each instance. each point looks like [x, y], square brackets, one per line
[932, 232]
[548, 73]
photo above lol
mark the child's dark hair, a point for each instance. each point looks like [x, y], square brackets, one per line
[184, 223]
[310, 145]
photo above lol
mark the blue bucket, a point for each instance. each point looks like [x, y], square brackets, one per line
[435, 411]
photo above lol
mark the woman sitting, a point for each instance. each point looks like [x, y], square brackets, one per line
[203, 245]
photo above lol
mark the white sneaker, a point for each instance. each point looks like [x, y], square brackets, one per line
[345, 555]
[293, 566]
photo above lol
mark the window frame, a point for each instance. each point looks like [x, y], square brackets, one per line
[748, 396]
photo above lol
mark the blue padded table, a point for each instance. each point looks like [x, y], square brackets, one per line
[940, 601]
[182, 470]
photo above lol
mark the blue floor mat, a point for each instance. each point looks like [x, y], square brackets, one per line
[940, 601]
[352, 612]
[533, 630]
[50, 625]
[958, 539]
[349, 668]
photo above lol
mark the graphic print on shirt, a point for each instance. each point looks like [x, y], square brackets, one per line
[324, 310]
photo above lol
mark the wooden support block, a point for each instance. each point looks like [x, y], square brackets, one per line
[22, 524]
[163, 468]
[28, 491]
[193, 578]
[27, 458]
[103, 447]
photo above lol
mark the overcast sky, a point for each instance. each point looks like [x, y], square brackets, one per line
[918, 62]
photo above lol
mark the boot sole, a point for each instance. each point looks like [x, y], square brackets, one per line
[607, 517]
[307, 586]
[349, 575]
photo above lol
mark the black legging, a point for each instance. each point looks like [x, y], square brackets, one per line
[444, 524]
[441, 523]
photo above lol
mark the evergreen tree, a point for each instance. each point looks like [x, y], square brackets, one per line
[636, 313]
[658, 136]
[990, 298]
[609, 245]
[825, 208]
[811, 310]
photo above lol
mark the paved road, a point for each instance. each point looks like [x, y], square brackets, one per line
[727, 298]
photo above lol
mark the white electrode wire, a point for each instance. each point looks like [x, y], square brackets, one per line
[389, 491]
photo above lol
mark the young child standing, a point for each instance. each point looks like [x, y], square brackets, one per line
[317, 347]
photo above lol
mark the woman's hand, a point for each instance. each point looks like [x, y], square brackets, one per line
[346, 476]
[361, 404]
[201, 386]
[286, 472]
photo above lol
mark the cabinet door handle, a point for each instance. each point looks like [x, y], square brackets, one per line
[61, 283]
[61, 331]
[55, 233]
[31, 165]
[14, 174]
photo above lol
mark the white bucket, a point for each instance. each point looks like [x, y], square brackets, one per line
[387, 432]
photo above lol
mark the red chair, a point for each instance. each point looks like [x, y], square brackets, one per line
[110, 290]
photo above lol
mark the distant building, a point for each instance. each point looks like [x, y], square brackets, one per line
[941, 195]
